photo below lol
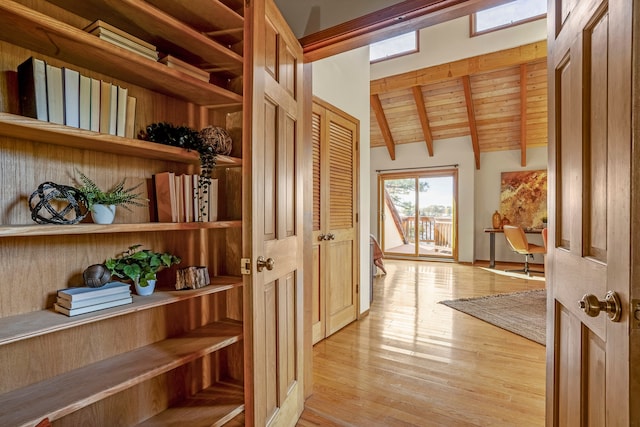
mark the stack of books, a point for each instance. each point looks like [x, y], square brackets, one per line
[64, 96]
[175, 63]
[82, 300]
[181, 198]
[120, 38]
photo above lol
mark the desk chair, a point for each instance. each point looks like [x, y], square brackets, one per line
[517, 239]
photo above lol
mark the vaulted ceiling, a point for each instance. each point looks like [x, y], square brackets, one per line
[498, 99]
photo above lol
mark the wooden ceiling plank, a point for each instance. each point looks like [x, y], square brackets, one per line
[464, 67]
[424, 120]
[523, 115]
[466, 81]
[384, 126]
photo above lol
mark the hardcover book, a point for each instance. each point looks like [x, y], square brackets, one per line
[32, 85]
[92, 308]
[55, 95]
[85, 292]
[71, 89]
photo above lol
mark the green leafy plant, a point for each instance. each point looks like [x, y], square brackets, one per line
[189, 139]
[140, 265]
[117, 195]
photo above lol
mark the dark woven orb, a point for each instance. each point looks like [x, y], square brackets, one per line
[96, 275]
[57, 204]
[218, 138]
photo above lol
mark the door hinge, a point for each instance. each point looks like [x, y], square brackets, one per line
[245, 266]
[357, 217]
[357, 288]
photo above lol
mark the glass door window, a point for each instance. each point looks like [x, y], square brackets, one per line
[418, 217]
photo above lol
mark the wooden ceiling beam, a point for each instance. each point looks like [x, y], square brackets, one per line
[384, 125]
[424, 120]
[464, 67]
[466, 82]
[523, 115]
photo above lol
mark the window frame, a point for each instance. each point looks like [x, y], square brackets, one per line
[400, 54]
[472, 24]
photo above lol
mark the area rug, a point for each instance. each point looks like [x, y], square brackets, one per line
[523, 313]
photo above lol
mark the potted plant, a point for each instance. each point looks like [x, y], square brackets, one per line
[102, 204]
[544, 222]
[141, 266]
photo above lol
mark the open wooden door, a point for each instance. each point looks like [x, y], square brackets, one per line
[273, 255]
[592, 348]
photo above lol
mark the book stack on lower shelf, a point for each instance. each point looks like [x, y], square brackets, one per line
[82, 300]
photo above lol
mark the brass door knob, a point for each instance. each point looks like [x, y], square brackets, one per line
[592, 306]
[262, 263]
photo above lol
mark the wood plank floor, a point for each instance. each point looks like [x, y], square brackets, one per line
[414, 362]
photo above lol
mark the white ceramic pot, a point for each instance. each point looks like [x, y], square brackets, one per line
[103, 214]
[145, 290]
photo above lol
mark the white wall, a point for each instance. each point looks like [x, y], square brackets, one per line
[450, 41]
[343, 81]
[449, 152]
[487, 198]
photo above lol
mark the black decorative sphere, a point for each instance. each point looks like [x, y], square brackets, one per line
[57, 204]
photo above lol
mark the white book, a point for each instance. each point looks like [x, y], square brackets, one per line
[130, 120]
[121, 116]
[95, 105]
[85, 102]
[85, 292]
[196, 198]
[92, 308]
[187, 194]
[55, 96]
[105, 106]
[179, 192]
[71, 88]
[213, 200]
[69, 304]
[113, 113]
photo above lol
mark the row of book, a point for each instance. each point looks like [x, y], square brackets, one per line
[64, 96]
[122, 39]
[82, 300]
[184, 198]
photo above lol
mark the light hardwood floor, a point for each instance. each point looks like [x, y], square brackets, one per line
[414, 362]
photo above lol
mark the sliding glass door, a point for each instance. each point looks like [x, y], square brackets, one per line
[418, 215]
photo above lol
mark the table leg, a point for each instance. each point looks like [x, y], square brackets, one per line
[492, 250]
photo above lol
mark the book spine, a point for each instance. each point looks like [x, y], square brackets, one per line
[113, 110]
[92, 301]
[95, 105]
[121, 119]
[71, 98]
[32, 86]
[165, 196]
[130, 123]
[85, 102]
[55, 101]
[92, 308]
[92, 293]
[105, 106]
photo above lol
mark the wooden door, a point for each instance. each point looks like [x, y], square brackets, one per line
[274, 291]
[589, 375]
[335, 234]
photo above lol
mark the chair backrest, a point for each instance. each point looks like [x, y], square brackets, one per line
[516, 238]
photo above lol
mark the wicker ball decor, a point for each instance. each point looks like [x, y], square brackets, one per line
[57, 204]
[96, 275]
[218, 138]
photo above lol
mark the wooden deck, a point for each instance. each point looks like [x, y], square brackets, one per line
[414, 362]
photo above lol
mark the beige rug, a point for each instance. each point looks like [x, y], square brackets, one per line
[523, 313]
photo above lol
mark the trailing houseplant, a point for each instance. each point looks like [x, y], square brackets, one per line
[140, 265]
[189, 139]
[118, 195]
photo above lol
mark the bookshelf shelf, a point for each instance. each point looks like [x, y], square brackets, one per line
[30, 325]
[113, 375]
[48, 36]
[78, 229]
[213, 406]
[16, 126]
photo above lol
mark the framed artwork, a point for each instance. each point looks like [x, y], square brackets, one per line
[523, 197]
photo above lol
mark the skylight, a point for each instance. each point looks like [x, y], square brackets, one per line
[395, 46]
[506, 15]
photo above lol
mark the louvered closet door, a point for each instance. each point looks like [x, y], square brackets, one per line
[336, 272]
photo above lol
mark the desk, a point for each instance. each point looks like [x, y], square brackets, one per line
[492, 241]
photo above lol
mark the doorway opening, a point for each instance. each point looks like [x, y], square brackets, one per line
[418, 214]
